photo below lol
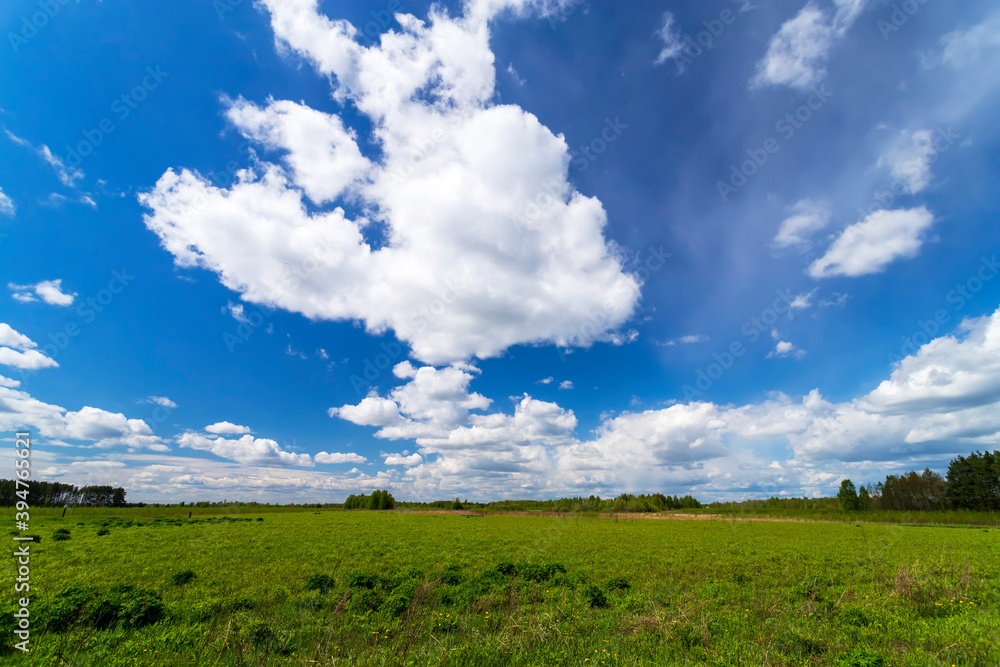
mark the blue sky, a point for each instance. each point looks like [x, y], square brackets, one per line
[498, 248]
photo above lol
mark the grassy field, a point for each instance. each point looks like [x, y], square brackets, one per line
[330, 587]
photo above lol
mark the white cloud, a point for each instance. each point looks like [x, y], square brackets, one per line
[533, 268]
[108, 429]
[162, 401]
[49, 291]
[548, 380]
[938, 402]
[28, 359]
[797, 54]
[514, 75]
[785, 349]
[803, 301]
[909, 161]
[248, 450]
[11, 338]
[872, 244]
[338, 457]
[673, 45]
[9, 383]
[566, 384]
[964, 48]
[685, 340]
[7, 206]
[807, 218]
[400, 460]
[227, 428]
[68, 176]
[948, 373]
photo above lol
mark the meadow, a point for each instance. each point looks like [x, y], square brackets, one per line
[149, 586]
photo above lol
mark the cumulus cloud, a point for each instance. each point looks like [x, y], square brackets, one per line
[401, 460]
[797, 54]
[49, 291]
[7, 206]
[783, 348]
[338, 457]
[460, 251]
[871, 245]
[31, 360]
[566, 384]
[11, 338]
[807, 217]
[940, 401]
[247, 449]
[227, 428]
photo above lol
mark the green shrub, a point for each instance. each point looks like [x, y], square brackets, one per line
[617, 584]
[506, 568]
[595, 597]
[104, 531]
[362, 580]
[62, 531]
[452, 575]
[60, 537]
[182, 577]
[794, 644]
[862, 657]
[855, 617]
[319, 582]
[127, 606]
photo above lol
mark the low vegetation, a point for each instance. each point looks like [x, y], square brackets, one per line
[389, 588]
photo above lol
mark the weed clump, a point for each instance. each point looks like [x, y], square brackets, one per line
[595, 597]
[182, 577]
[61, 535]
[618, 584]
[319, 582]
[862, 657]
[103, 531]
[452, 575]
[122, 606]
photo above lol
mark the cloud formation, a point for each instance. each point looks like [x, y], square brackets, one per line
[472, 238]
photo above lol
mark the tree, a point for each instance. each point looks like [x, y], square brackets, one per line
[864, 499]
[974, 481]
[848, 496]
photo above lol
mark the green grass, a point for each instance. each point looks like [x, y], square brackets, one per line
[365, 588]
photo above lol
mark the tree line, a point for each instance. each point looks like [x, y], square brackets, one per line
[972, 483]
[41, 494]
[378, 500]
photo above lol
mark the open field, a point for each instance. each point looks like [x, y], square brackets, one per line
[445, 589]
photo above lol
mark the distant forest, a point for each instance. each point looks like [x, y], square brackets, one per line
[972, 483]
[41, 494]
